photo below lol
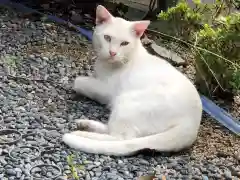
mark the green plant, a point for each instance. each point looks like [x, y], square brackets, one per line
[74, 167]
[214, 28]
[10, 60]
[185, 19]
[220, 75]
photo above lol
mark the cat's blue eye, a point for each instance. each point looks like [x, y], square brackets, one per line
[107, 38]
[124, 43]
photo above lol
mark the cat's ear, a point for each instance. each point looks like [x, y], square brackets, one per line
[139, 27]
[102, 15]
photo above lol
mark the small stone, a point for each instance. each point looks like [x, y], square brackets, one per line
[143, 162]
[90, 167]
[165, 53]
[9, 119]
[228, 175]
[237, 156]
[97, 163]
[205, 177]
[120, 162]
[50, 41]
[31, 56]
[11, 172]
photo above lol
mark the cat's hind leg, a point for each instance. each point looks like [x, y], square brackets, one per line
[91, 126]
[95, 136]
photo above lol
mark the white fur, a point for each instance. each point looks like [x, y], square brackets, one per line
[153, 105]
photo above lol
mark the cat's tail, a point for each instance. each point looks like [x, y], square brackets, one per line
[173, 140]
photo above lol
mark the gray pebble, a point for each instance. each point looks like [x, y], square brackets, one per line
[228, 175]
[11, 172]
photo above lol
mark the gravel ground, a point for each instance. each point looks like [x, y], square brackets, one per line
[38, 63]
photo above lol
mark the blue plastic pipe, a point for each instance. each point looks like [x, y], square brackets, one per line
[209, 106]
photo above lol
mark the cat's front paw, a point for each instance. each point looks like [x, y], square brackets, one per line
[81, 84]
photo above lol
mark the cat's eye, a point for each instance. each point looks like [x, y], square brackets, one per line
[124, 43]
[107, 38]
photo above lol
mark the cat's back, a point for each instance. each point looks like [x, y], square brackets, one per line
[152, 69]
[149, 73]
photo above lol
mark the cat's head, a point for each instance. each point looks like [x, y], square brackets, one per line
[116, 37]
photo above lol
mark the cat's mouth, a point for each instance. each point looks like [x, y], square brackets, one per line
[112, 59]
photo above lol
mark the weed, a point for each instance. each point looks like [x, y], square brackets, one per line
[11, 61]
[211, 28]
[74, 168]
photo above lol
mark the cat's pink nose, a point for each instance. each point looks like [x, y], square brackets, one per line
[112, 53]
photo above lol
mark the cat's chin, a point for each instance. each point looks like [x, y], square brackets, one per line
[112, 60]
[115, 63]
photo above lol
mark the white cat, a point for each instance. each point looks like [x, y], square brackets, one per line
[153, 105]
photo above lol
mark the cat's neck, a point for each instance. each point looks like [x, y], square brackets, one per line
[138, 51]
